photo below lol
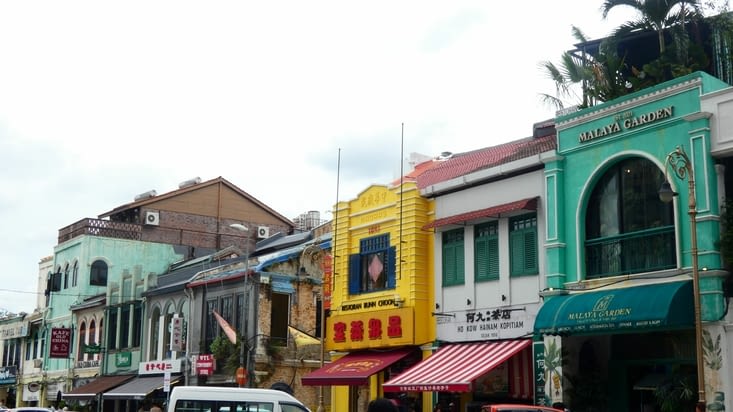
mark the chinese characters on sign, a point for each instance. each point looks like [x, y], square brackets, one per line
[157, 367]
[60, 342]
[375, 329]
[372, 329]
[490, 323]
[176, 334]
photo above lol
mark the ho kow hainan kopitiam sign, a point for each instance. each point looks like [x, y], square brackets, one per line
[487, 324]
[625, 121]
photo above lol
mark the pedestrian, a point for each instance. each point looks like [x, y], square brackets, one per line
[382, 405]
[156, 408]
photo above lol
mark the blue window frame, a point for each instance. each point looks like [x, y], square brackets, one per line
[373, 268]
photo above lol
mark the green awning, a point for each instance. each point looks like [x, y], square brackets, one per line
[658, 306]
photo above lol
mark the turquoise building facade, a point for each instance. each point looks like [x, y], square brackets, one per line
[108, 276]
[619, 260]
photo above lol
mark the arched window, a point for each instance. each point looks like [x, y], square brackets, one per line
[75, 274]
[92, 339]
[627, 228]
[168, 323]
[154, 333]
[66, 276]
[98, 275]
[82, 341]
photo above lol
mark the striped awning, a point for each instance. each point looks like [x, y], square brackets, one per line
[454, 367]
[494, 211]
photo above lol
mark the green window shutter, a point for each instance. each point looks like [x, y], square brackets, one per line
[517, 253]
[523, 245]
[460, 264]
[486, 252]
[449, 265]
[530, 252]
[453, 258]
[481, 252]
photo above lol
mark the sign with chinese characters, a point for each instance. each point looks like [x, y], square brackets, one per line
[376, 329]
[204, 365]
[539, 373]
[176, 334]
[60, 343]
[158, 367]
[327, 280]
[487, 324]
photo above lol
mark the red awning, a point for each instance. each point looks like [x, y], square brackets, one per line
[454, 367]
[524, 204]
[354, 368]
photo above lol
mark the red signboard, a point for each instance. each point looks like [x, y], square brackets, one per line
[205, 365]
[60, 343]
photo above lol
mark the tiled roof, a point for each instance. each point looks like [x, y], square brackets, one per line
[464, 163]
[419, 169]
[524, 204]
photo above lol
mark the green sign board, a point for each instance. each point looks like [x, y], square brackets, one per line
[92, 349]
[123, 359]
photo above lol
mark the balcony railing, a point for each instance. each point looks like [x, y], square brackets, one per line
[643, 251]
[103, 228]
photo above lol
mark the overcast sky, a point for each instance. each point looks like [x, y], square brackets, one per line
[101, 101]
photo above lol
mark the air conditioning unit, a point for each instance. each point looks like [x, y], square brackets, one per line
[37, 363]
[152, 218]
[263, 232]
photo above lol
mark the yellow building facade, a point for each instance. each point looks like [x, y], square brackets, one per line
[378, 319]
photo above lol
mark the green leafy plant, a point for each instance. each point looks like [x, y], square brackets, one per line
[226, 354]
[677, 393]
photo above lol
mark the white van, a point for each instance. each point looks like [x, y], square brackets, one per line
[225, 399]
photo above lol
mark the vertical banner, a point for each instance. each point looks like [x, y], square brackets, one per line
[167, 382]
[327, 279]
[176, 334]
[60, 343]
[539, 373]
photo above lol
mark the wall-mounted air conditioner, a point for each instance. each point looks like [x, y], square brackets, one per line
[263, 232]
[152, 218]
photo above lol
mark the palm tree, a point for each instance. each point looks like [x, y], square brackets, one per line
[656, 15]
[599, 77]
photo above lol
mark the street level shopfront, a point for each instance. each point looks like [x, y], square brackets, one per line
[617, 319]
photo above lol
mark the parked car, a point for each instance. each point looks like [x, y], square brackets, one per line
[506, 407]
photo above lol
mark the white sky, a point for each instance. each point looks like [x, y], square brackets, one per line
[100, 101]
